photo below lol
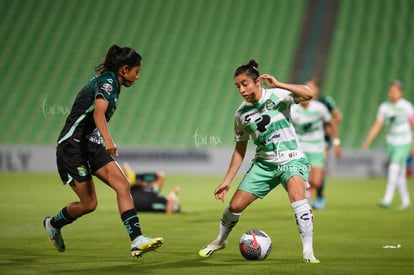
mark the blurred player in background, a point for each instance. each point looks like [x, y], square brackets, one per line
[146, 192]
[320, 199]
[264, 116]
[397, 114]
[309, 118]
[85, 148]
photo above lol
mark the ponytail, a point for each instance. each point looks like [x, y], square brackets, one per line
[251, 68]
[117, 57]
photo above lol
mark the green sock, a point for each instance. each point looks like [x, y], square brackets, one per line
[131, 223]
[61, 219]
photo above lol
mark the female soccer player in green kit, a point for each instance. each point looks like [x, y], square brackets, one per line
[310, 119]
[397, 114]
[264, 116]
[85, 148]
[320, 200]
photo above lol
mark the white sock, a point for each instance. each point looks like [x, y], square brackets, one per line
[304, 220]
[227, 222]
[402, 186]
[393, 177]
[308, 191]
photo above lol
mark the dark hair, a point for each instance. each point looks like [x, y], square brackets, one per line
[397, 83]
[250, 68]
[116, 57]
[315, 80]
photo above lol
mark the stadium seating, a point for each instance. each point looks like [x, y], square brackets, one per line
[190, 51]
[373, 45]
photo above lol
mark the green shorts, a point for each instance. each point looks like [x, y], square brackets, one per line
[262, 178]
[316, 159]
[398, 154]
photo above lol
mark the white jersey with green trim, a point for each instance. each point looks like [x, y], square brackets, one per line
[268, 123]
[396, 118]
[309, 124]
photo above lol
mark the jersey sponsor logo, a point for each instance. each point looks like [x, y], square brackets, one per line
[107, 87]
[269, 105]
[248, 116]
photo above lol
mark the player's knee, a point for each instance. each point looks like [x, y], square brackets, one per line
[89, 206]
[296, 189]
[236, 207]
[124, 188]
[123, 191]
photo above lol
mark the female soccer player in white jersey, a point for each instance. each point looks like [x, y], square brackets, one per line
[398, 116]
[309, 119]
[264, 116]
[320, 199]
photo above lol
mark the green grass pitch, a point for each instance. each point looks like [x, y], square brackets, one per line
[349, 234]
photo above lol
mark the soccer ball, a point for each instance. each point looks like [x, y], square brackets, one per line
[255, 244]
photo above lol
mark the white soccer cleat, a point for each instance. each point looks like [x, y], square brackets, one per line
[55, 236]
[143, 245]
[310, 258]
[404, 207]
[212, 247]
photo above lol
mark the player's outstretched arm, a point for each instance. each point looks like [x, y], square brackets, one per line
[336, 139]
[411, 119]
[300, 92]
[235, 163]
[375, 129]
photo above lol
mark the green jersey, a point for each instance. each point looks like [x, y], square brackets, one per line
[80, 124]
[396, 117]
[268, 123]
[328, 101]
[309, 124]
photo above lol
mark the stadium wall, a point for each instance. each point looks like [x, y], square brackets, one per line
[209, 160]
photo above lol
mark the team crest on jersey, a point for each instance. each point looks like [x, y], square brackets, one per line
[270, 105]
[82, 171]
[107, 87]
